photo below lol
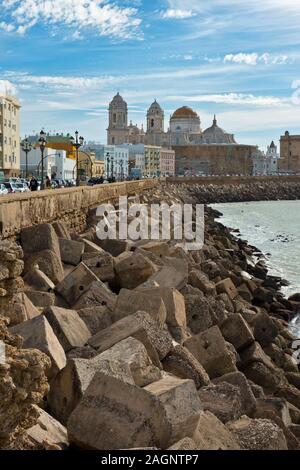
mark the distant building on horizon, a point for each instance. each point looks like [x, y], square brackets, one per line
[289, 154]
[9, 136]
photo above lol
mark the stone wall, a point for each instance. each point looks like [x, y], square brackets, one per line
[70, 205]
[220, 180]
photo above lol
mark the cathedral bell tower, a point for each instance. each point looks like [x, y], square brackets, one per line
[117, 132]
[155, 124]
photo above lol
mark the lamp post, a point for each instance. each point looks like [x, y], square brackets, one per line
[26, 147]
[42, 143]
[121, 165]
[112, 168]
[77, 143]
[108, 161]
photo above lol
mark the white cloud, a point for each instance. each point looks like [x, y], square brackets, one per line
[254, 58]
[103, 16]
[7, 88]
[7, 27]
[240, 99]
[188, 57]
[177, 14]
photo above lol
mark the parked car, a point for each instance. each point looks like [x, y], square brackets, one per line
[60, 183]
[10, 187]
[3, 190]
[20, 187]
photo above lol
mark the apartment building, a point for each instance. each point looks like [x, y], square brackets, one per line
[9, 136]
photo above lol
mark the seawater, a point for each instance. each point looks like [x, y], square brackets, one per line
[274, 228]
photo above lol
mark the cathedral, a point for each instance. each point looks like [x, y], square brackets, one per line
[184, 128]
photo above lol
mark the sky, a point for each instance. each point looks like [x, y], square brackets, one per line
[66, 59]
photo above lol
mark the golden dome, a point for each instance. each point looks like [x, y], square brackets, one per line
[184, 112]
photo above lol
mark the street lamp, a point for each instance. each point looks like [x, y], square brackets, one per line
[112, 168]
[121, 165]
[26, 147]
[77, 143]
[42, 144]
[108, 161]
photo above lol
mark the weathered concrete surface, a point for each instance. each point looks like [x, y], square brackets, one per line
[69, 205]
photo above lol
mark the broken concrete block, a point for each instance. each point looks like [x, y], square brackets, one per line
[71, 251]
[133, 270]
[175, 306]
[114, 247]
[70, 330]
[47, 432]
[265, 329]
[254, 353]
[101, 264]
[269, 378]
[61, 230]
[76, 283]
[96, 318]
[236, 331]
[157, 248]
[224, 400]
[181, 405]
[169, 276]
[70, 383]
[201, 281]
[40, 298]
[212, 434]
[38, 238]
[239, 380]
[48, 262]
[257, 434]
[140, 326]
[228, 287]
[21, 309]
[183, 364]
[210, 349]
[38, 334]
[184, 444]
[275, 405]
[114, 414]
[96, 295]
[90, 247]
[36, 279]
[150, 301]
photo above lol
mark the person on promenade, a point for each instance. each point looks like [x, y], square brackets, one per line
[33, 184]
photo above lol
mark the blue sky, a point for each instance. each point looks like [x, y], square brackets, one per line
[65, 59]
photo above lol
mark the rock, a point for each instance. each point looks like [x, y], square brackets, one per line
[76, 283]
[276, 405]
[157, 248]
[212, 434]
[48, 262]
[293, 378]
[141, 326]
[70, 330]
[38, 238]
[21, 309]
[210, 349]
[38, 280]
[90, 247]
[181, 405]
[182, 363]
[265, 330]
[116, 415]
[150, 301]
[114, 247]
[38, 334]
[97, 295]
[258, 434]
[245, 292]
[281, 359]
[258, 391]
[236, 331]
[263, 295]
[294, 413]
[295, 429]
[169, 276]
[127, 360]
[71, 251]
[184, 444]
[228, 287]
[201, 282]
[290, 393]
[133, 270]
[223, 399]
[239, 380]
[61, 230]
[96, 318]
[40, 298]
[255, 353]
[101, 264]
[175, 306]
[269, 378]
[47, 431]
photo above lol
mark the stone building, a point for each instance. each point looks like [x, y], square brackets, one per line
[289, 154]
[167, 162]
[197, 151]
[9, 136]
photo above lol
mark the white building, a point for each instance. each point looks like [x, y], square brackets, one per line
[56, 164]
[116, 161]
[266, 164]
[9, 136]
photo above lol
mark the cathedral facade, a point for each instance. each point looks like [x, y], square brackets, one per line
[184, 127]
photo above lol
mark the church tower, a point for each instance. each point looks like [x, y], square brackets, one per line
[155, 124]
[117, 132]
